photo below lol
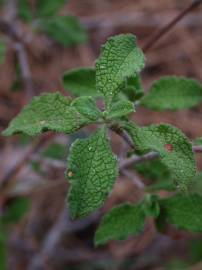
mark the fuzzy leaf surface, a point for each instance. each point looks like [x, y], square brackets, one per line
[82, 82]
[92, 170]
[48, 112]
[120, 58]
[121, 108]
[87, 107]
[196, 187]
[173, 146]
[183, 211]
[173, 93]
[121, 222]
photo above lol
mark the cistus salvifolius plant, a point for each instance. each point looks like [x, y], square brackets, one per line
[92, 168]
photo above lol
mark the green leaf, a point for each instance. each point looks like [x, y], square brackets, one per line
[173, 146]
[17, 83]
[177, 264]
[121, 222]
[55, 151]
[183, 211]
[25, 10]
[120, 58]
[156, 171]
[173, 93]
[16, 210]
[196, 186]
[196, 250]
[87, 107]
[80, 82]
[92, 170]
[134, 89]
[2, 2]
[66, 30]
[165, 184]
[48, 8]
[198, 141]
[48, 112]
[161, 185]
[2, 253]
[2, 51]
[150, 206]
[119, 109]
[153, 170]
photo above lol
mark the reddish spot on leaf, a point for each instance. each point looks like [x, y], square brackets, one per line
[169, 147]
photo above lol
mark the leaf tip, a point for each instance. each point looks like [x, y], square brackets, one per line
[7, 132]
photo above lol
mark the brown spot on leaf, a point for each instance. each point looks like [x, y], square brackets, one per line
[169, 147]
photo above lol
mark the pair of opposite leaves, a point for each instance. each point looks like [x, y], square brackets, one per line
[92, 166]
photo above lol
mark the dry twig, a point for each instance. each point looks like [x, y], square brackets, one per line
[164, 30]
[9, 25]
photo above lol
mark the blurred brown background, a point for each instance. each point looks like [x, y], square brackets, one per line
[45, 238]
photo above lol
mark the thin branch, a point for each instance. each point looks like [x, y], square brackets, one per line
[22, 56]
[149, 156]
[14, 171]
[197, 148]
[123, 135]
[139, 19]
[137, 159]
[11, 28]
[164, 30]
[135, 179]
[63, 226]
